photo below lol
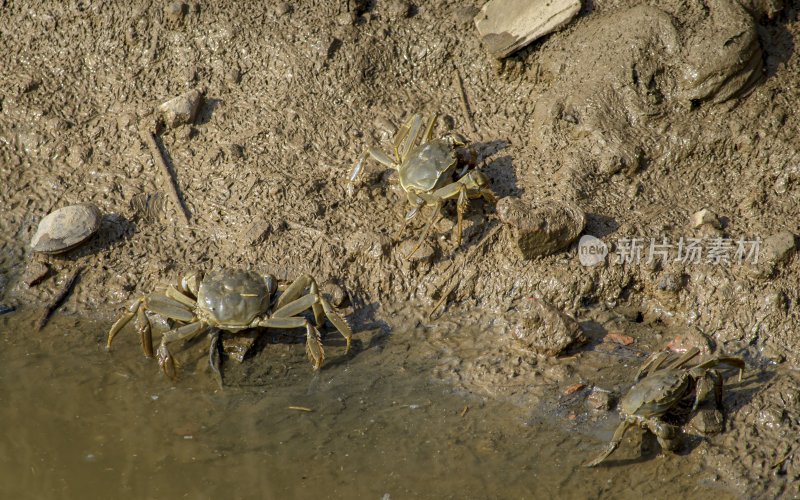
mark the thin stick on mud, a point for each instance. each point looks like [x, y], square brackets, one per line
[58, 298]
[462, 94]
[149, 139]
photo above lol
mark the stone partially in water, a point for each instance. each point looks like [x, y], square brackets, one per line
[540, 228]
[508, 25]
[544, 329]
[66, 228]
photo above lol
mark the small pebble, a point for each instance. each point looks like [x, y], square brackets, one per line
[181, 110]
[703, 217]
[175, 10]
[599, 400]
[282, 9]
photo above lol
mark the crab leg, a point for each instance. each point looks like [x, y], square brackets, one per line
[427, 136]
[378, 156]
[406, 137]
[314, 299]
[214, 360]
[165, 360]
[613, 445]
[297, 306]
[123, 320]
[435, 216]
[145, 332]
[314, 348]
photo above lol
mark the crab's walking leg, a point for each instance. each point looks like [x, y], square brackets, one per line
[214, 360]
[314, 348]
[615, 441]
[289, 305]
[145, 332]
[378, 156]
[123, 320]
[435, 216]
[165, 360]
[406, 137]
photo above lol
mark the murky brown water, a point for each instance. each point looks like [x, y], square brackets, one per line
[79, 422]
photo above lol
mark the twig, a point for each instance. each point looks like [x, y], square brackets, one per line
[58, 298]
[463, 98]
[150, 140]
[301, 408]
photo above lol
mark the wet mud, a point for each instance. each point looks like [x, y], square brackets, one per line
[639, 115]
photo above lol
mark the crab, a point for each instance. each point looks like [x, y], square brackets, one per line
[231, 300]
[428, 171]
[671, 391]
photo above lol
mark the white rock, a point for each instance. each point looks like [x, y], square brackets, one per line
[704, 216]
[508, 25]
[180, 110]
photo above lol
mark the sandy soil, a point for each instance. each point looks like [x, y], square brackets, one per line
[639, 115]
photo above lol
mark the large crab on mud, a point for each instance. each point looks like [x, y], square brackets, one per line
[231, 300]
[428, 171]
[672, 391]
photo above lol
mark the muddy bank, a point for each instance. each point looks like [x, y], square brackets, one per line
[639, 115]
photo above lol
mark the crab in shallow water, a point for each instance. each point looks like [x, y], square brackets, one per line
[231, 300]
[428, 171]
[673, 390]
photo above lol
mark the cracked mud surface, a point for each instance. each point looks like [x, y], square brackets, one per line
[640, 115]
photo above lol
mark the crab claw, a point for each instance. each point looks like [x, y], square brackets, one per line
[166, 362]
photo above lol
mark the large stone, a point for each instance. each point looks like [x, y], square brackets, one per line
[540, 228]
[508, 25]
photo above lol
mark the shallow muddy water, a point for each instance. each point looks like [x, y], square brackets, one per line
[80, 422]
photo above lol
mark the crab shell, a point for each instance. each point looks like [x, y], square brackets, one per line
[233, 299]
[428, 166]
[656, 394]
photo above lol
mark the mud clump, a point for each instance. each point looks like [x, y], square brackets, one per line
[540, 228]
[544, 329]
[761, 445]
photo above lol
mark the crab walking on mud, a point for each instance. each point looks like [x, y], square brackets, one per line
[672, 391]
[428, 171]
[231, 300]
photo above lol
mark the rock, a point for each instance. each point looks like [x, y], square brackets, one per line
[704, 216]
[508, 25]
[544, 329]
[724, 59]
[777, 248]
[66, 228]
[174, 11]
[283, 8]
[334, 293]
[394, 10]
[540, 228]
[239, 344]
[707, 421]
[255, 233]
[35, 273]
[180, 110]
[600, 400]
